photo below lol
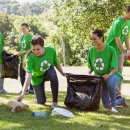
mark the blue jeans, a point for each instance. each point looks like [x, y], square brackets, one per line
[109, 91]
[40, 91]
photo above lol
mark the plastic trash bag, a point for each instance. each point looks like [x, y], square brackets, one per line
[9, 66]
[83, 92]
[62, 111]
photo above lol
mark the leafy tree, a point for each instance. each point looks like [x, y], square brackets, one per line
[76, 19]
[5, 24]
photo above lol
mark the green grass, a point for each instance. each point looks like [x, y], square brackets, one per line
[23, 120]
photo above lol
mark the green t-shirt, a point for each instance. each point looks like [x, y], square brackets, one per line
[25, 44]
[1, 47]
[39, 65]
[120, 28]
[103, 62]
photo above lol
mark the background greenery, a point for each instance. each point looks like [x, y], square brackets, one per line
[71, 20]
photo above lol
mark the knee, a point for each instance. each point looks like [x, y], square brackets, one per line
[52, 74]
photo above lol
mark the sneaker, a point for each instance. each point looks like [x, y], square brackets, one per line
[113, 109]
[120, 101]
[54, 104]
[2, 91]
[123, 102]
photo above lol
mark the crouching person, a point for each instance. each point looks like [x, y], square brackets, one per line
[39, 68]
[102, 59]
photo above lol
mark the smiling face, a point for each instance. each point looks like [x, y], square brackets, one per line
[25, 29]
[96, 41]
[38, 50]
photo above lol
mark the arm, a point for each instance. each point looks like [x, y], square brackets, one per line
[127, 43]
[106, 76]
[25, 86]
[119, 44]
[128, 47]
[23, 53]
[89, 71]
[60, 70]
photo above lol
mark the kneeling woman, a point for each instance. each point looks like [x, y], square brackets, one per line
[102, 59]
[40, 64]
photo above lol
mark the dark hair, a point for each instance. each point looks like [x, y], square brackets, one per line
[99, 33]
[38, 40]
[128, 9]
[25, 24]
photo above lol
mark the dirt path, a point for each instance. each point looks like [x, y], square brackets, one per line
[13, 86]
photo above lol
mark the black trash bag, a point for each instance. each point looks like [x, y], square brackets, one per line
[83, 92]
[9, 65]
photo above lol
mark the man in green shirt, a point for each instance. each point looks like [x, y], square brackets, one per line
[40, 68]
[2, 90]
[24, 47]
[118, 34]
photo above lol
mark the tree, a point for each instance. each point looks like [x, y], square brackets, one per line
[76, 19]
[5, 24]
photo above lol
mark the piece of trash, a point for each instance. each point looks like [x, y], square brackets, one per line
[40, 114]
[17, 106]
[62, 111]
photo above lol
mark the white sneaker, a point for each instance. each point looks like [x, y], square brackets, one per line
[2, 91]
[113, 109]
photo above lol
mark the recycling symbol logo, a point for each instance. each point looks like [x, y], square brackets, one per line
[125, 30]
[99, 64]
[23, 44]
[45, 65]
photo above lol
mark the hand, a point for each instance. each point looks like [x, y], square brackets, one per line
[106, 76]
[64, 74]
[20, 98]
[19, 54]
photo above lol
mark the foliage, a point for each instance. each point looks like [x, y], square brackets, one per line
[127, 63]
[56, 19]
[14, 7]
[76, 19]
[36, 27]
[5, 24]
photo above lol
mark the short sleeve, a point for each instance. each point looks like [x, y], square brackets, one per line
[117, 29]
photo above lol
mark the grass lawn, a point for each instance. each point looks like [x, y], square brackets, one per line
[23, 120]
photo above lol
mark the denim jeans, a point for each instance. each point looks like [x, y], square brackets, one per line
[22, 76]
[109, 91]
[40, 91]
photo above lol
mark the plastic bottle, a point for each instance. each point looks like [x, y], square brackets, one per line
[40, 114]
